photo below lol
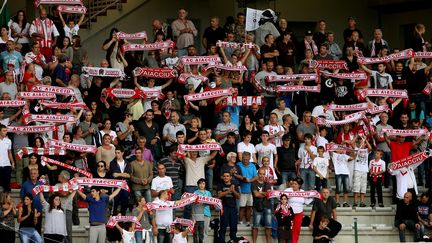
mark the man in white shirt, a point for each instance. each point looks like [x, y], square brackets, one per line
[246, 146]
[7, 163]
[266, 149]
[161, 182]
[283, 110]
[275, 130]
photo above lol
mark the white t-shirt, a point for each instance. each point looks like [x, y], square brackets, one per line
[277, 141]
[382, 79]
[128, 237]
[5, 146]
[297, 202]
[161, 183]
[322, 141]
[305, 159]
[242, 147]
[178, 238]
[147, 102]
[361, 161]
[321, 165]
[111, 133]
[164, 217]
[265, 151]
[340, 162]
[71, 32]
[319, 111]
[171, 61]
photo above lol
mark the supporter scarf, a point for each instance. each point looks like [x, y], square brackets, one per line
[337, 147]
[82, 181]
[32, 129]
[355, 76]
[103, 72]
[50, 118]
[72, 9]
[284, 209]
[25, 151]
[427, 89]
[378, 109]
[148, 47]
[63, 106]
[12, 103]
[422, 54]
[155, 72]
[405, 132]
[325, 122]
[290, 78]
[209, 94]
[65, 187]
[53, 89]
[304, 194]
[353, 107]
[405, 54]
[328, 64]
[184, 76]
[64, 165]
[234, 45]
[124, 93]
[187, 201]
[35, 95]
[113, 220]
[216, 202]
[135, 36]
[199, 147]
[311, 46]
[410, 160]
[198, 60]
[244, 100]
[295, 88]
[72, 2]
[384, 93]
[70, 146]
[184, 222]
[226, 67]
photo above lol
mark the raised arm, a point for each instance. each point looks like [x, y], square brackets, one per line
[61, 18]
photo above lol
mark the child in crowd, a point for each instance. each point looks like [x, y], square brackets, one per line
[361, 169]
[340, 161]
[201, 214]
[377, 169]
[320, 166]
[320, 233]
[70, 28]
[180, 235]
[128, 235]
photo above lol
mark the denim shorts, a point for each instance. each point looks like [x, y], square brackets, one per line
[262, 219]
[342, 181]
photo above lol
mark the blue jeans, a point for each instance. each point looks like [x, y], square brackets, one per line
[209, 178]
[229, 218]
[28, 235]
[146, 193]
[139, 236]
[308, 177]
[187, 213]
[163, 236]
[286, 175]
[263, 218]
[342, 181]
[410, 225]
[121, 199]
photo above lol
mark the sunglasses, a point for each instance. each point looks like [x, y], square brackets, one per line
[101, 166]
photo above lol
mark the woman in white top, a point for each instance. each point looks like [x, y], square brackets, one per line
[55, 218]
[107, 130]
[180, 235]
[20, 31]
[297, 206]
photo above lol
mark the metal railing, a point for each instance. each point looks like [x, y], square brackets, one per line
[98, 7]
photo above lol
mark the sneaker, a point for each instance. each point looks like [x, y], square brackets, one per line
[362, 205]
[346, 205]
[248, 224]
[372, 205]
[338, 205]
[354, 205]
[240, 223]
[381, 205]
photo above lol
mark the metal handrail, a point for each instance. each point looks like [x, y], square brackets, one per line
[103, 10]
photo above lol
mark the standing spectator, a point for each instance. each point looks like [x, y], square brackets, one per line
[266, 149]
[308, 44]
[120, 170]
[170, 130]
[320, 166]
[55, 219]
[8, 212]
[225, 127]
[238, 28]
[424, 209]
[7, 163]
[262, 208]
[282, 110]
[287, 163]
[247, 146]
[213, 33]
[228, 193]
[174, 169]
[28, 218]
[406, 217]
[161, 182]
[287, 50]
[375, 46]
[45, 33]
[325, 208]
[307, 154]
[125, 130]
[201, 214]
[249, 174]
[10, 57]
[89, 129]
[184, 32]
[4, 37]
[377, 168]
[305, 127]
[320, 35]
[269, 50]
[161, 27]
[284, 215]
[275, 130]
[323, 53]
[382, 145]
[352, 26]
[9, 86]
[361, 169]
[97, 205]
[419, 43]
[140, 211]
[106, 151]
[67, 201]
[69, 27]
[20, 31]
[141, 176]
[334, 48]
[38, 59]
[340, 162]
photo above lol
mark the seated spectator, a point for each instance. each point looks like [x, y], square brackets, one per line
[406, 218]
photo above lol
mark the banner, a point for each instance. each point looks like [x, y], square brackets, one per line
[124, 93]
[135, 36]
[72, 9]
[25, 151]
[255, 18]
[70, 146]
[290, 78]
[63, 106]
[64, 165]
[198, 60]
[233, 68]
[234, 45]
[244, 100]
[184, 76]
[148, 47]
[103, 72]
[155, 72]
[12, 103]
[35, 95]
[289, 194]
[82, 181]
[405, 132]
[209, 94]
[405, 54]
[384, 93]
[53, 89]
[328, 64]
[32, 129]
[295, 88]
[410, 160]
[113, 220]
[355, 76]
[353, 107]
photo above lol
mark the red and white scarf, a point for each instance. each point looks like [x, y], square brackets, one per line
[384, 93]
[290, 78]
[355, 76]
[32, 129]
[226, 67]
[198, 147]
[135, 36]
[35, 95]
[63, 106]
[64, 165]
[25, 151]
[198, 60]
[72, 2]
[405, 132]
[46, 28]
[155, 72]
[184, 76]
[325, 122]
[244, 100]
[209, 94]
[82, 181]
[53, 89]
[423, 54]
[113, 220]
[353, 107]
[72, 9]
[65, 187]
[123, 93]
[311, 46]
[410, 160]
[378, 109]
[405, 54]
[103, 72]
[50, 118]
[328, 64]
[284, 209]
[207, 200]
[290, 194]
[148, 47]
[186, 201]
[234, 45]
[184, 222]
[337, 147]
[70, 146]
[295, 88]
[427, 89]
[12, 103]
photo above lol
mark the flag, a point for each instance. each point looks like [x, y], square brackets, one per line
[255, 18]
[4, 13]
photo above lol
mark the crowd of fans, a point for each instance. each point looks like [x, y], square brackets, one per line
[271, 145]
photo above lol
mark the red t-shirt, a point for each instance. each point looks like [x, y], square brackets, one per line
[400, 150]
[26, 77]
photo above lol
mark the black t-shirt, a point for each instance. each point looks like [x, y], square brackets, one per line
[213, 36]
[229, 200]
[416, 82]
[268, 49]
[226, 167]
[323, 209]
[148, 132]
[261, 187]
[348, 32]
[318, 232]
[116, 114]
[400, 79]
[344, 93]
[286, 159]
